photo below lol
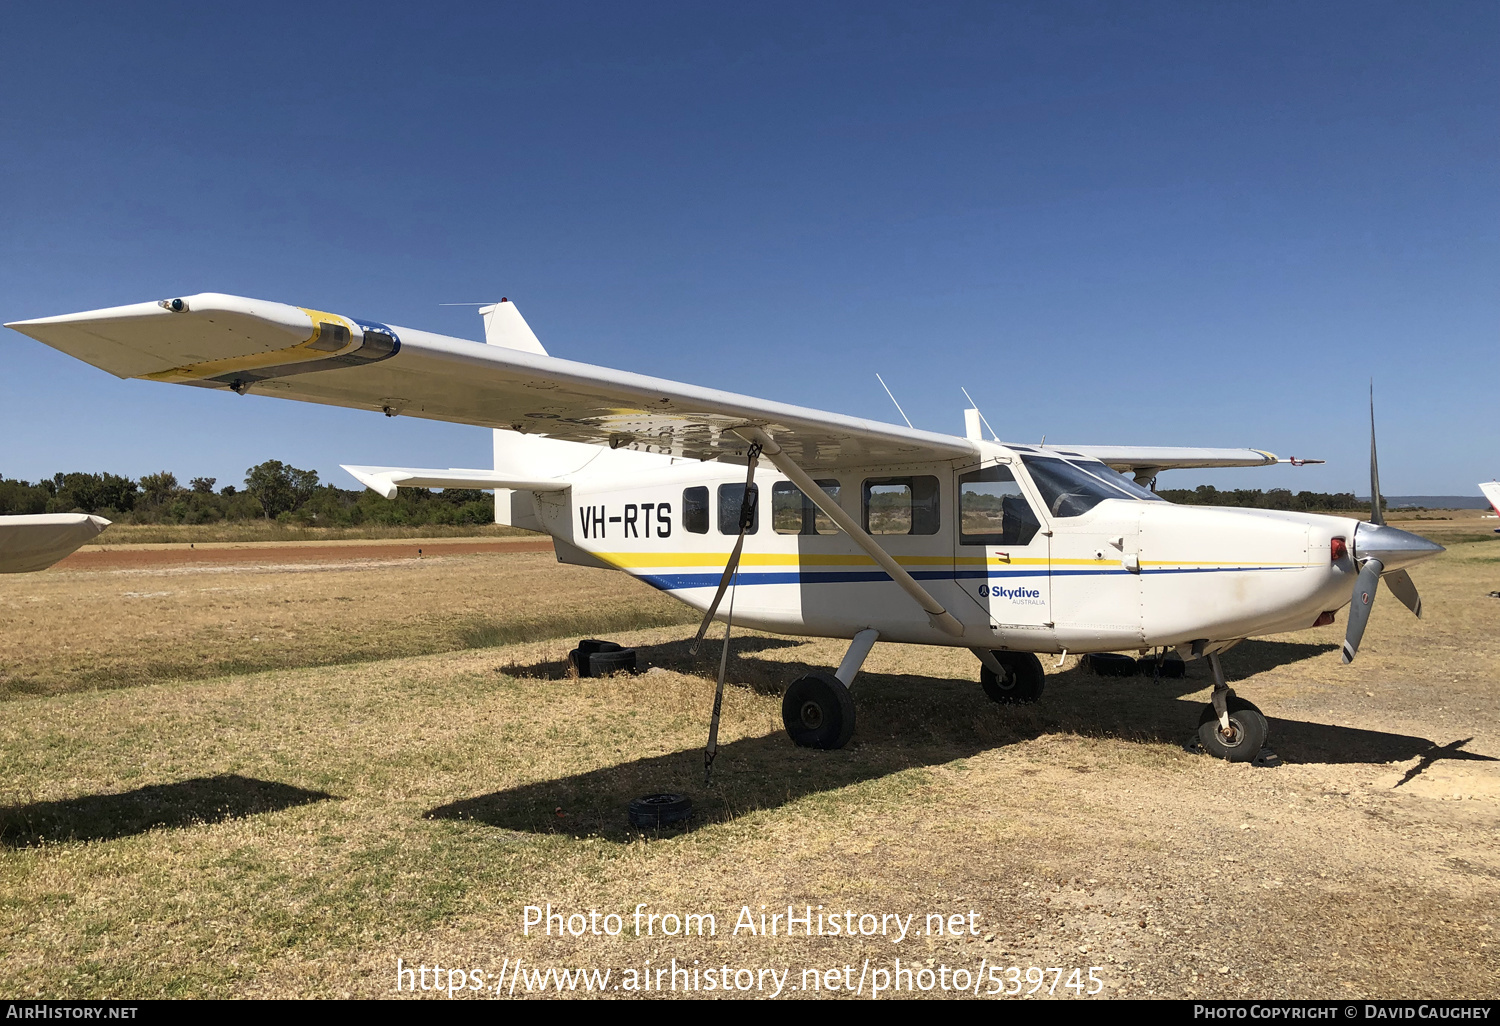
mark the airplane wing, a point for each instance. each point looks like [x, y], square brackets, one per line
[1146, 461]
[29, 543]
[245, 345]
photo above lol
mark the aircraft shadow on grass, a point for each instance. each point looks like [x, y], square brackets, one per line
[102, 817]
[908, 722]
[762, 676]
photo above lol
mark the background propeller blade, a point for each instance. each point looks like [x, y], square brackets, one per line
[1359, 609]
[1399, 581]
[1377, 515]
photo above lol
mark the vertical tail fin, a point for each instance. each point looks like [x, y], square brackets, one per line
[529, 456]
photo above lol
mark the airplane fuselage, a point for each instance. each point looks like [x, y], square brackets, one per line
[1020, 564]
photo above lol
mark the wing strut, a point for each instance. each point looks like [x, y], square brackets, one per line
[939, 617]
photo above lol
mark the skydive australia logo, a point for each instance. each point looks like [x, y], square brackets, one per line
[1019, 596]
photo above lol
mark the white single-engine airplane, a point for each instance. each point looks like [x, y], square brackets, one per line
[871, 531]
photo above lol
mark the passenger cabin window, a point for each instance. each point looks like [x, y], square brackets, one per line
[992, 510]
[901, 505]
[794, 513]
[695, 510]
[731, 496]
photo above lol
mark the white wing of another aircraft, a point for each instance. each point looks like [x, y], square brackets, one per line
[30, 543]
[246, 345]
[1491, 490]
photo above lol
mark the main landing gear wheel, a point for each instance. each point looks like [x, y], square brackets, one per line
[1023, 681]
[818, 711]
[1245, 737]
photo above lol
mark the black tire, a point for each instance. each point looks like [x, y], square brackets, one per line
[1247, 726]
[586, 661]
[1023, 681]
[653, 811]
[1110, 664]
[602, 664]
[818, 711]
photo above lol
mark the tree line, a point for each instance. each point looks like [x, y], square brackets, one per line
[277, 491]
[272, 490]
[1275, 498]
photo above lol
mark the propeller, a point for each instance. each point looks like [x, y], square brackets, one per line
[1376, 547]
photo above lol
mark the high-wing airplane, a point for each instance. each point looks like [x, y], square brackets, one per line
[862, 530]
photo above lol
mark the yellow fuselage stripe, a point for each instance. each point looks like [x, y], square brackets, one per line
[661, 560]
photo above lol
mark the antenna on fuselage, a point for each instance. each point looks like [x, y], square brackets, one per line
[893, 399]
[975, 407]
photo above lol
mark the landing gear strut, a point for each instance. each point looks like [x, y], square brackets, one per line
[1010, 677]
[1230, 727]
[817, 709]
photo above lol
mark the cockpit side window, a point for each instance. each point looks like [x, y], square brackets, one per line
[992, 510]
[1071, 489]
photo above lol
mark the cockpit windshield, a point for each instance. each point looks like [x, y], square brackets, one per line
[1071, 487]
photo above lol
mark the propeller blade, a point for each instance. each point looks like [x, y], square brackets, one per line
[747, 514]
[1399, 581]
[1377, 515]
[1359, 609]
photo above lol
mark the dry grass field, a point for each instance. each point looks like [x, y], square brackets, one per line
[277, 778]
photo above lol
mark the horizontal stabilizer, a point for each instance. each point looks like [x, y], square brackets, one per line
[385, 480]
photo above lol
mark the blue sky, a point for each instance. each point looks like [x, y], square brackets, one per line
[1150, 223]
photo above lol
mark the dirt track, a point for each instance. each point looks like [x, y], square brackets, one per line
[136, 556]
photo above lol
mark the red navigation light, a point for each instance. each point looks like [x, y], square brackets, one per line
[1338, 550]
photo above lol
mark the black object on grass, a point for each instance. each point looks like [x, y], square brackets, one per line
[652, 811]
[595, 658]
[1111, 664]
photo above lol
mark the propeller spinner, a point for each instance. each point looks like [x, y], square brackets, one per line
[1382, 553]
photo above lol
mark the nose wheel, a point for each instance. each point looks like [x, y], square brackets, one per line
[1230, 727]
[1242, 739]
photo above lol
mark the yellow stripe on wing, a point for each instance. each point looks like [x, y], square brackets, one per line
[331, 336]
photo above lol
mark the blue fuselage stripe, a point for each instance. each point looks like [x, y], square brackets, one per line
[674, 582]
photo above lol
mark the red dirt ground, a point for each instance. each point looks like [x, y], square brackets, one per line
[294, 552]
